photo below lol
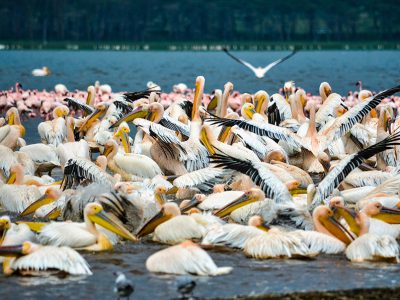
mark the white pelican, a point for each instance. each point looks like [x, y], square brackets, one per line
[84, 235]
[44, 157]
[346, 165]
[55, 131]
[44, 71]
[32, 259]
[80, 170]
[13, 234]
[170, 227]
[185, 258]
[130, 166]
[259, 71]
[11, 133]
[367, 247]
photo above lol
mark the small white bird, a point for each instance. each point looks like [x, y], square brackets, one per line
[44, 71]
[123, 286]
[259, 71]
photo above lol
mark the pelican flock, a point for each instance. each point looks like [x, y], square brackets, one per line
[277, 177]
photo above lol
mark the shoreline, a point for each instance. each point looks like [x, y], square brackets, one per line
[197, 46]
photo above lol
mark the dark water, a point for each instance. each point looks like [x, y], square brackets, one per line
[249, 278]
[131, 70]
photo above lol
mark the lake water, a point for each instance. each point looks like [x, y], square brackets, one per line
[131, 70]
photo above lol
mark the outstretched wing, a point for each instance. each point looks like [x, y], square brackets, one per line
[241, 61]
[277, 62]
[343, 124]
[339, 173]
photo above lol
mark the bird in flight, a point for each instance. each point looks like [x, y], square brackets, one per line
[259, 71]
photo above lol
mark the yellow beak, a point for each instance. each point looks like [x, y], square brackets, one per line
[104, 220]
[388, 215]
[4, 226]
[206, 142]
[213, 104]
[223, 134]
[238, 203]
[350, 217]
[139, 112]
[11, 179]
[44, 200]
[91, 119]
[337, 229]
[34, 226]
[54, 214]
[152, 224]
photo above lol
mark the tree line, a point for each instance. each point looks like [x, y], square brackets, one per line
[199, 20]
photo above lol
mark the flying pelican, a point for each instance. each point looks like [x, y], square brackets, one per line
[183, 259]
[84, 235]
[259, 71]
[32, 259]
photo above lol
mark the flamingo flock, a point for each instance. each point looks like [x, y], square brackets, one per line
[281, 176]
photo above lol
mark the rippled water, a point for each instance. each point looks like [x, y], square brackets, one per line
[131, 70]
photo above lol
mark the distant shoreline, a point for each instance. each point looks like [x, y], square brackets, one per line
[199, 46]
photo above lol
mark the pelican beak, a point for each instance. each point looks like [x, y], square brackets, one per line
[22, 130]
[11, 119]
[34, 226]
[44, 200]
[91, 119]
[11, 179]
[107, 151]
[350, 217]
[298, 191]
[152, 224]
[54, 214]
[206, 142]
[264, 227]
[193, 203]
[213, 104]
[103, 219]
[198, 95]
[171, 178]
[388, 215]
[124, 137]
[12, 251]
[223, 134]
[258, 102]
[138, 112]
[4, 226]
[327, 91]
[160, 198]
[337, 229]
[250, 113]
[172, 191]
[235, 204]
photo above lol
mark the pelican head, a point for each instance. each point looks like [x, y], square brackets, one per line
[248, 111]
[288, 89]
[261, 99]
[101, 109]
[258, 222]
[11, 114]
[250, 196]
[159, 193]
[325, 90]
[377, 211]
[246, 98]
[16, 174]
[168, 211]
[186, 205]
[61, 111]
[323, 215]
[51, 195]
[90, 96]
[364, 95]
[5, 225]
[123, 134]
[95, 213]
[46, 70]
